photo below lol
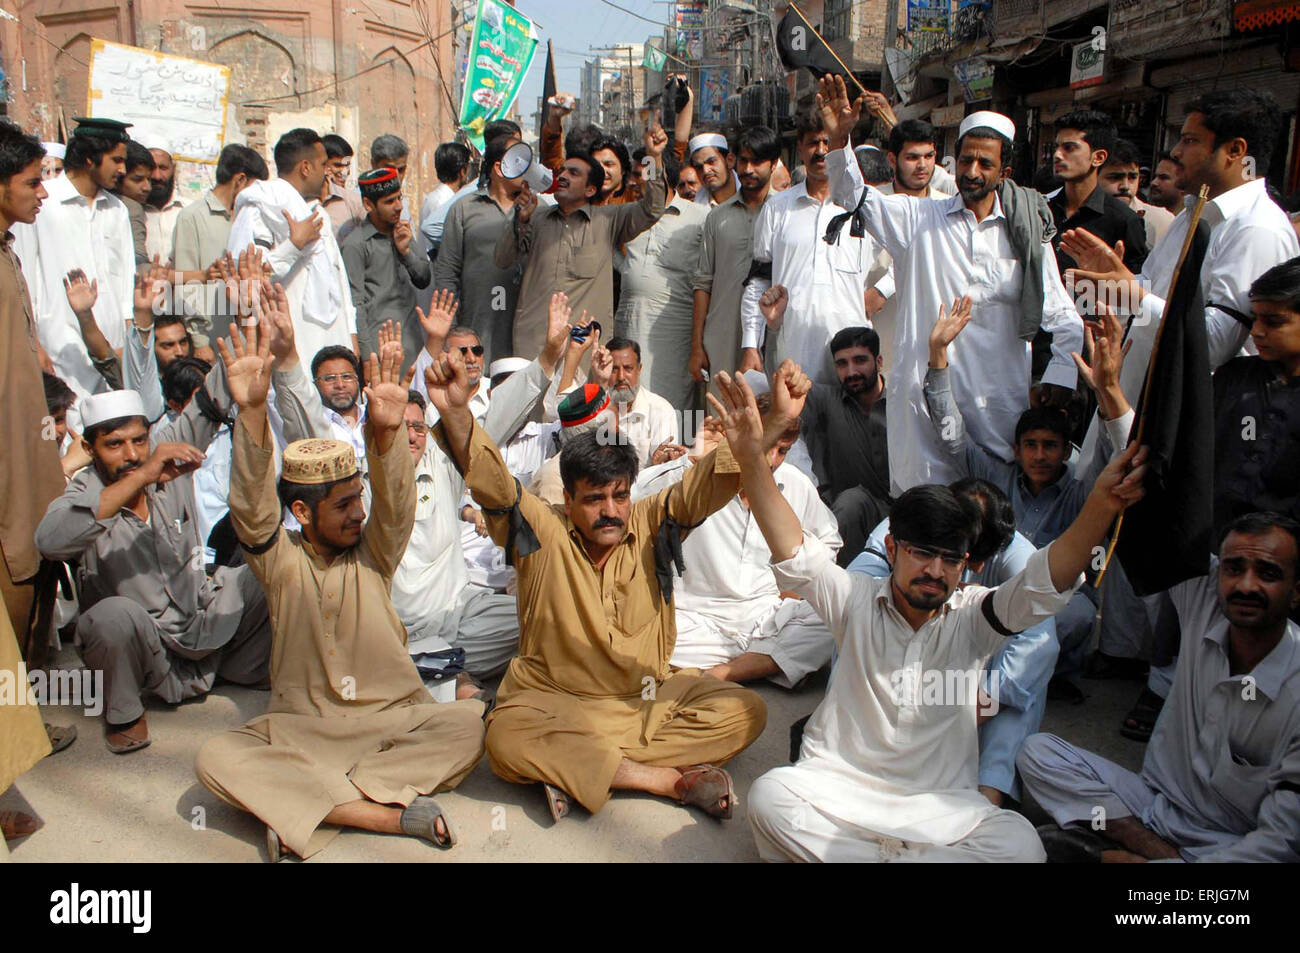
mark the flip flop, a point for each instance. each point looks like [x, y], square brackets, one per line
[557, 801]
[418, 821]
[60, 736]
[275, 851]
[705, 785]
[17, 824]
[119, 742]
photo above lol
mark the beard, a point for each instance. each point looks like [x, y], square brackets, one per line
[341, 404]
[160, 193]
[973, 193]
[861, 383]
[623, 393]
[926, 601]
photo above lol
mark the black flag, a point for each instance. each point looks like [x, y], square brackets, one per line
[548, 89]
[799, 46]
[1169, 534]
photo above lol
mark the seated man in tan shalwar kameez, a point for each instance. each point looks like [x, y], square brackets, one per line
[590, 704]
[352, 737]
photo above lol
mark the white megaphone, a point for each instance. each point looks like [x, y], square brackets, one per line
[518, 163]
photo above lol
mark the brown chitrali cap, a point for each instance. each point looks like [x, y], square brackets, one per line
[318, 461]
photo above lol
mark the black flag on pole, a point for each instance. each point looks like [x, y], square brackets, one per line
[1169, 534]
[548, 89]
[800, 46]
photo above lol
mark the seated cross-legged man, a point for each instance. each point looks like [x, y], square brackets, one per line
[590, 704]
[152, 620]
[889, 764]
[1220, 782]
[351, 737]
[732, 619]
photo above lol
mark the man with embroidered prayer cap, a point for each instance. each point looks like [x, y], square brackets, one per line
[351, 737]
[590, 704]
[385, 264]
[152, 620]
[991, 241]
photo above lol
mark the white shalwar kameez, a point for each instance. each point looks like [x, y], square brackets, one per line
[941, 253]
[890, 759]
[727, 602]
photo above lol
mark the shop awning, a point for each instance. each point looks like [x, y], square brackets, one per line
[1257, 14]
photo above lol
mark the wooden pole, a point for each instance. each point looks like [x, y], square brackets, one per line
[843, 65]
[1192, 222]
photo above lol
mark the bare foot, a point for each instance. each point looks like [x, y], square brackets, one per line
[993, 794]
[466, 687]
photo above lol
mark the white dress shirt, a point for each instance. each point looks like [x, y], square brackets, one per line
[314, 279]
[646, 423]
[95, 236]
[160, 225]
[941, 253]
[1155, 220]
[825, 282]
[885, 751]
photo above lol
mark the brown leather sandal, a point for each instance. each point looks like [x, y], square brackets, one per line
[709, 788]
[557, 801]
[128, 738]
[17, 824]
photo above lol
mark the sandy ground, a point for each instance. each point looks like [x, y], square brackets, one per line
[148, 806]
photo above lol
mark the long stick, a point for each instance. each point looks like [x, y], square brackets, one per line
[1192, 222]
[843, 65]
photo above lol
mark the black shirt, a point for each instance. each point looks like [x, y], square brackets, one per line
[1256, 440]
[1106, 217]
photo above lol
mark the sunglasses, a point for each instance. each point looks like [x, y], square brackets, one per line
[476, 350]
[925, 554]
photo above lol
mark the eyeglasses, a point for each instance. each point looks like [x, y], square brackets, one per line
[418, 429]
[927, 554]
[476, 350]
[336, 378]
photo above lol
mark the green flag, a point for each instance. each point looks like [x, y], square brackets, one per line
[499, 56]
[655, 59]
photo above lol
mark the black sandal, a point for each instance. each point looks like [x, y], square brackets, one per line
[1141, 719]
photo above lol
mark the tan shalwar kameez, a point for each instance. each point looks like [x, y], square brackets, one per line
[591, 684]
[348, 715]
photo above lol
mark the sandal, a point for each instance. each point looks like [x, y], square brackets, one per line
[1141, 719]
[557, 801]
[17, 824]
[128, 738]
[1073, 845]
[1102, 666]
[707, 787]
[60, 736]
[275, 851]
[419, 820]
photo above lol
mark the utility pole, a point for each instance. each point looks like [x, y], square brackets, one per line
[891, 41]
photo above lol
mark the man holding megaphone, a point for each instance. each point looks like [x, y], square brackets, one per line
[570, 246]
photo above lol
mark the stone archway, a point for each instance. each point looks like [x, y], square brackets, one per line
[267, 75]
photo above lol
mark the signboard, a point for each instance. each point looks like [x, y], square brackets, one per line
[927, 16]
[500, 52]
[715, 87]
[1087, 65]
[976, 78]
[172, 102]
[689, 22]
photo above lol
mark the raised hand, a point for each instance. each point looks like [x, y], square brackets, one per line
[402, 238]
[738, 412]
[1102, 266]
[150, 286]
[879, 107]
[790, 387]
[218, 269]
[839, 113]
[1121, 484]
[305, 231]
[447, 383]
[707, 437]
[1104, 342]
[772, 305]
[602, 366]
[387, 387]
[390, 332]
[525, 204]
[441, 316]
[171, 460]
[273, 316]
[655, 140]
[82, 293]
[248, 365]
[946, 327]
[558, 341]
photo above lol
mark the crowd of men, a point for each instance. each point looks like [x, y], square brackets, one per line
[551, 476]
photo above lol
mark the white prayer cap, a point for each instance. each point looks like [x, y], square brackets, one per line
[507, 365]
[55, 149]
[867, 147]
[757, 382]
[707, 139]
[113, 405]
[995, 121]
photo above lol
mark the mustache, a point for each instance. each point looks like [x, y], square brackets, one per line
[607, 521]
[921, 580]
[1248, 601]
[128, 467]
